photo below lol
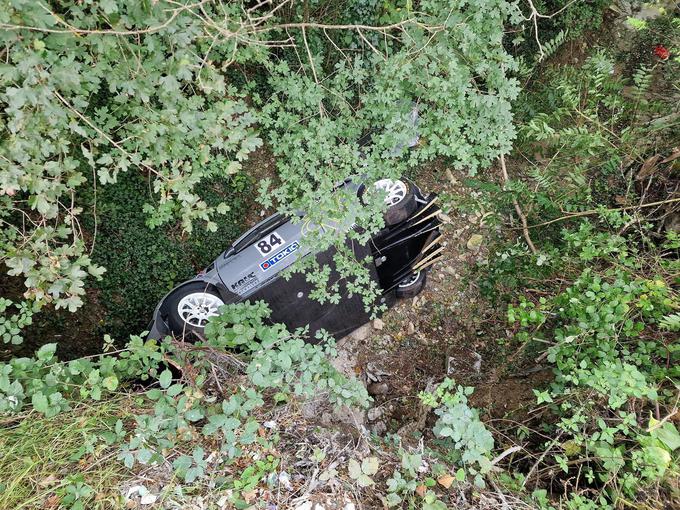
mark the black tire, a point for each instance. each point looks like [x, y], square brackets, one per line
[413, 288]
[178, 326]
[401, 211]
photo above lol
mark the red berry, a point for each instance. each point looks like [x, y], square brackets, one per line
[662, 52]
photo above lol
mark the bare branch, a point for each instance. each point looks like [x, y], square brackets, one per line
[518, 209]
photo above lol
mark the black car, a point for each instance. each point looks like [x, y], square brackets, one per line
[401, 254]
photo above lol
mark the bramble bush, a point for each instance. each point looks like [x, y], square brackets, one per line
[270, 367]
[598, 301]
[615, 371]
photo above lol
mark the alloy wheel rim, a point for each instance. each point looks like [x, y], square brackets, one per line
[395, 189]
[409, 280]
[195, 309]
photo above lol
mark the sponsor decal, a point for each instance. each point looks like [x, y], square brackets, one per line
[278, 257]
[245, 282]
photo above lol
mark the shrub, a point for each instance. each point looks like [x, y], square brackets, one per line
[273, 367]
[143, 263]
[614, 369]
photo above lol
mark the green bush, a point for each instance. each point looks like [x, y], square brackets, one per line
[144, 263]
[156, 89]
[614, 368]
[272, 367]
[598, 301]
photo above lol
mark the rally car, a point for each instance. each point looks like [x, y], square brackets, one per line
[250, 270]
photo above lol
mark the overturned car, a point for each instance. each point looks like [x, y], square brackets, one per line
[401, 254]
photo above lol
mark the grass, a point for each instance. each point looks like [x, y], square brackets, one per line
[41, 457]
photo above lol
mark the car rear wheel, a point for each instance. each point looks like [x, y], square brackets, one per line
[190, 307]
[400, 200]
[412, 285]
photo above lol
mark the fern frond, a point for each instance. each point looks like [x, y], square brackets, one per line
[670, 322]
[642, 79]
[550, 47]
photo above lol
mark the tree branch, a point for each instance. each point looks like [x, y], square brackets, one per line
[518, 209]
[597, 211]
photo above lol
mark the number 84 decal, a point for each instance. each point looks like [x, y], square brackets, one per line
[269, 243]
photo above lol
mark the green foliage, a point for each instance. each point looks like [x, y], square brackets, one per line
[607, 351]
[460, 428]
[587, 128]
[454, 76]
[412, 486]
[362, 472]
[102, 104]
[575, 129]
[663, 30]
[75, 494]
[670, 322]
[599, 297]
[11, 325]
[273, 367]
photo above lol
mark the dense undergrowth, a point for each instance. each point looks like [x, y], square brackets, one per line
[597, 298]
[589, 291]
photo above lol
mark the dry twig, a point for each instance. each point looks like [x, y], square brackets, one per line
[518, 209]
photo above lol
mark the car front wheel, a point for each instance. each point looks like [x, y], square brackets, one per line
[190, 307]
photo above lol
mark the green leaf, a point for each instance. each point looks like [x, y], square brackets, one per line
[108, 6]
[46, 352]
[165, 378]
[392, 499]
[110, 383]
[182, 463]
[370, 465]
[365, 480]
[40, 403]
[354, 469]
[174, 390]
[668, 435]
[194, 414]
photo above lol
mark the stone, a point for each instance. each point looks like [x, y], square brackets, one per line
[148, 499]
[378, 324]
[362, 332]
[378, 388]
[450, 270]
[411, 328]
[374, 413]
[451, 178]
[379, 428]
[475, 242]
[444, 218]
[478, 362]
[284, 481]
